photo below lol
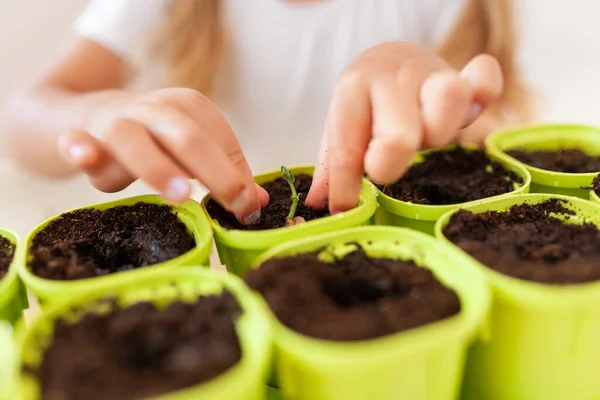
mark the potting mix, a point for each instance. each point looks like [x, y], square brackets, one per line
[87, 243]
[455, 176]
[275, 213]
[7, 252]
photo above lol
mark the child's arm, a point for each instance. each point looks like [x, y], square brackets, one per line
[77, 117]
[391, 101]
[64, 98]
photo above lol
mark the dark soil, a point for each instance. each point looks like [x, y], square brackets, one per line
[140, 351]
[274, 214]
[528, 242]
[565, 160]
[452, 177]
[7, 252]
[595, 186]
[354, 298]
[89, 243]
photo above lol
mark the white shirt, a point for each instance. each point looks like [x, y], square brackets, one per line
[284, 58]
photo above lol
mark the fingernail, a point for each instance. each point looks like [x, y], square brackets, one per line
[76, 152]
[474, 112]
[251, 218]
[178, 188]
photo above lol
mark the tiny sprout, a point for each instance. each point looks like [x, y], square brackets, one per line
[291, 220]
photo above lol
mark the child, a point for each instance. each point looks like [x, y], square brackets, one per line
[371, 81]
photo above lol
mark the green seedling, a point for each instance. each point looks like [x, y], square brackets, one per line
[292, 219]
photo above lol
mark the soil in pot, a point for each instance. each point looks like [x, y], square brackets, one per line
[87, 243]
[529, 242]
[7, 252]
[353, 298]
[595, 186]
[275, 213]
[564, 160]
[451, 177]
[140, 351]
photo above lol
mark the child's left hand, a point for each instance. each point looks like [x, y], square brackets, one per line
[391, 101]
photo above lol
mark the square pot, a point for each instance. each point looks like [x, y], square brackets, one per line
[243, 381]
[423, 363]
[422, 217]
[550, 138]
[238, 249]
[542, 341]
[13, 296]
[190, 213]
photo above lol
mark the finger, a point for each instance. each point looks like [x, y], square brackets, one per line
[198, 107]
[127, 139]
[263, 196]
[318, 195]
[112, 179]
[350, 130]
[397, 128]
[484, 75]
[79, 150]
[236, 156]
[446, 99]
[199, 154]
[477, 132]
[87, 153]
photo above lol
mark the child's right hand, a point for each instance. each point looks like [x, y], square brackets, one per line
[165, 137]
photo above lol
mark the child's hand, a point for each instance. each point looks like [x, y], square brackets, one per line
[165, 137]
[391, 101]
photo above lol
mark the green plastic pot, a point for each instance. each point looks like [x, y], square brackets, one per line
[542, 341]
[13, 296]
[425, 363]
[238, 249]
[243, 381]
[8, 362]
[190, 213]
[550, 137]
[422, 217]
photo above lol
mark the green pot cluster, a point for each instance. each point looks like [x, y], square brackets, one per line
[513, 339]
[550, 138]
[407, 363]
[542, 339]
[422, 217]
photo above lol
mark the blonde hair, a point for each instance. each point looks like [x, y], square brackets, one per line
[194, 40]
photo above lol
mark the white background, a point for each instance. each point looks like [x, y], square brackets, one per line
[560, 56]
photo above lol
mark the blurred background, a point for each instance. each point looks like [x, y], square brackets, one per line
[560, 57]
